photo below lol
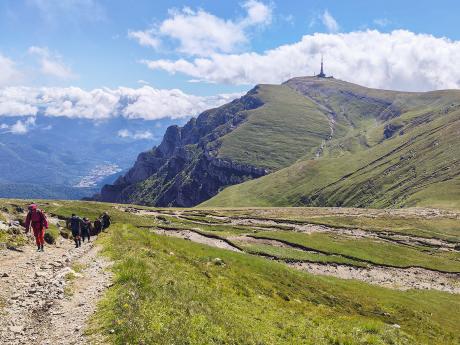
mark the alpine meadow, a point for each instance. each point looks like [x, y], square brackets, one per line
[249, 173]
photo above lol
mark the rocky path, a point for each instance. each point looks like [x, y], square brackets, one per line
[47, 298]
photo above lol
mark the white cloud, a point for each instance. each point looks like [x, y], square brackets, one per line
[17, 101]
[200, 33]
[257, 13]
[143, 135]
[20, 126]
[56, 69]
[9, 74]
[329, 22]
[16, 108]
[145, 38]
[51, 64]
[148, 103]
[400, 60]
[99, 104]
[124, 133]
[138, 135]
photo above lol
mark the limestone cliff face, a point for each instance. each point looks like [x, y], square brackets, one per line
[184, 169]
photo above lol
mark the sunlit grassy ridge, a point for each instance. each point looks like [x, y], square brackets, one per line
[322, 142]
[404, 156]
[279, 132]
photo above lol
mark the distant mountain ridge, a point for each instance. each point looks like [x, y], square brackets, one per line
[320, 141]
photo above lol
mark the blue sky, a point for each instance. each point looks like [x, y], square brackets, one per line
[209, 48]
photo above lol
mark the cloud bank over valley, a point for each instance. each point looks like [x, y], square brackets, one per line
[145, 103]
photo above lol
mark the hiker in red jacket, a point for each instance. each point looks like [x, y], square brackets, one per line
[37, 219]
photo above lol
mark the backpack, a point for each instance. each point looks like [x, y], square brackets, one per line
[40, 214]
[105, 221]
[75, 223]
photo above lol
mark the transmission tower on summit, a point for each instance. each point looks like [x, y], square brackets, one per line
[321, 74]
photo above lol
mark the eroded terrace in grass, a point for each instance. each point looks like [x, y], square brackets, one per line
[401, 249]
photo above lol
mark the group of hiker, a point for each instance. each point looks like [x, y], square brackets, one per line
[81, 228]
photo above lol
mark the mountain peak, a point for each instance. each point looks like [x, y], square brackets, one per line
[270, 130]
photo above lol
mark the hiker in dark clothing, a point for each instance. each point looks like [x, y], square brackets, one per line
[105, 219]
[97, 226]
[86, 228]
[76, 225]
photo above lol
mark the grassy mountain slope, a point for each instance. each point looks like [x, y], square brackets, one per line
[279, 132]
[398, 149]
[169, 291]
[173, 291]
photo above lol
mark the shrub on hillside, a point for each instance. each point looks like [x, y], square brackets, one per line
[52, 234]
[49, 238]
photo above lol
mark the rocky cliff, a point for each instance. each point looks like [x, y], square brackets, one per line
[184, 169]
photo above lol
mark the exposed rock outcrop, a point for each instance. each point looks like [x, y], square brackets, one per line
[390, 129]
[184, 169]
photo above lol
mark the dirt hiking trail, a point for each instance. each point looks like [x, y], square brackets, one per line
[47, 298]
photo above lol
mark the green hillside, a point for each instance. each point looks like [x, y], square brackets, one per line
[399, 149]
[286, 127]
[170, 288]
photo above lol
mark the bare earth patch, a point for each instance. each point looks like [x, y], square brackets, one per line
[198, 238]
[394, 278]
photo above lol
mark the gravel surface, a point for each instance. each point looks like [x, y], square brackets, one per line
[47, 298]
